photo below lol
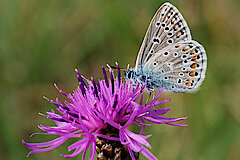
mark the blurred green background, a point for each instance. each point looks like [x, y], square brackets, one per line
[43, 41]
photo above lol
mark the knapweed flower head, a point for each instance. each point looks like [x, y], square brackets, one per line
[98, 114]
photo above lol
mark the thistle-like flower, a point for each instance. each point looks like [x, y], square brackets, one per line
[98, 113]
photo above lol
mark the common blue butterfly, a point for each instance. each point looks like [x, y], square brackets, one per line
[168, 57]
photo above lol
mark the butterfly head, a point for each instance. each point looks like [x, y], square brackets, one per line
[129, 74]
[132, 75]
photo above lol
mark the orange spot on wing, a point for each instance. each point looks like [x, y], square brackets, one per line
[185, 49]
[177, 46]
[192, 53]
[194, 59]
[192, 74]
[188, 84]
[194, 66]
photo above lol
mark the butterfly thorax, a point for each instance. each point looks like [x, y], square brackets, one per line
[137, 76]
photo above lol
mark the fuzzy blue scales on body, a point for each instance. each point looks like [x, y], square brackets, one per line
[168, 57]
[147, 78]
[139, 77]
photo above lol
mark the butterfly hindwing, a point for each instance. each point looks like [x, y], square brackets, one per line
[179, 67]
[166, 28]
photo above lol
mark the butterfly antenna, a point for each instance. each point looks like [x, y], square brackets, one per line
[114, 67]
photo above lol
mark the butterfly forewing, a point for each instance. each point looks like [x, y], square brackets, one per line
[179, 67]
[166, 28]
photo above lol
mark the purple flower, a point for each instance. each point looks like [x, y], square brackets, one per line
[98, 113]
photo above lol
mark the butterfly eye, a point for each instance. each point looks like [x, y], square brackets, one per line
[129, 74]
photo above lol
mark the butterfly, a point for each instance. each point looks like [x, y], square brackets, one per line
[168, 57]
